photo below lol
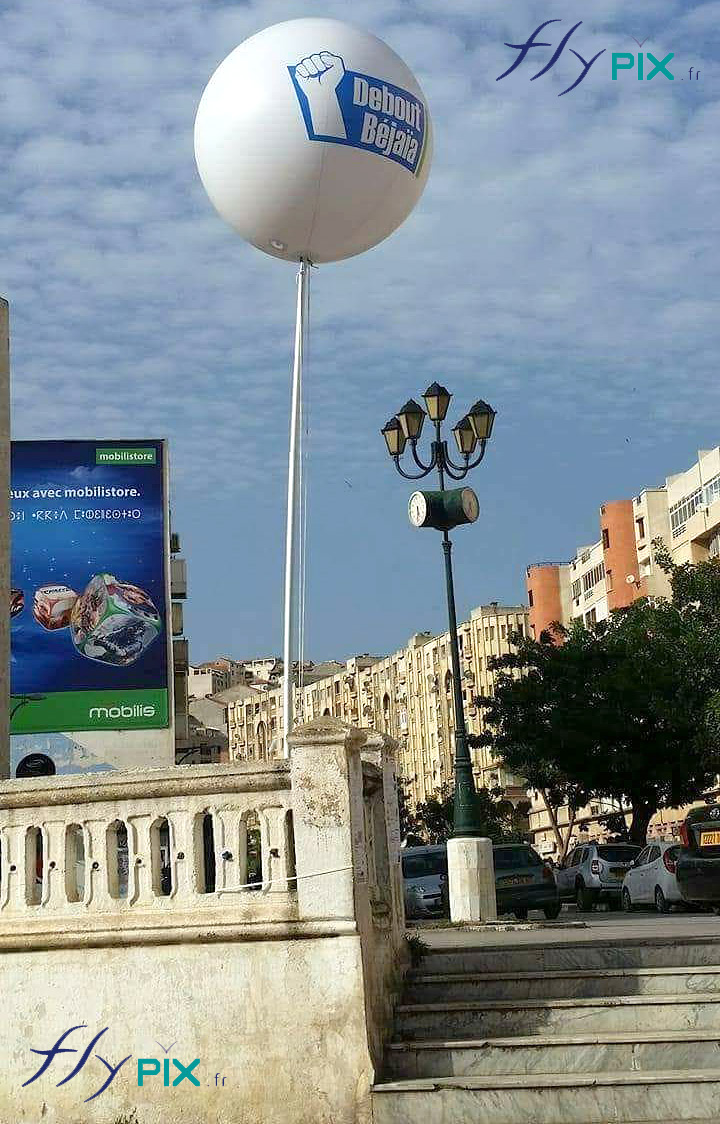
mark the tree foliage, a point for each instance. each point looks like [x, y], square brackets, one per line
[432, 820]
[628, 709]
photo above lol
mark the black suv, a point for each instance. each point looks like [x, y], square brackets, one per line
[698, 864]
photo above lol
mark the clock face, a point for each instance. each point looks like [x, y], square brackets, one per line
[470, 504]
[417, 509]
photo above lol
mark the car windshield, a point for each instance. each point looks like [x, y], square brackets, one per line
[423, 866]
[507, 858]
[618, 854]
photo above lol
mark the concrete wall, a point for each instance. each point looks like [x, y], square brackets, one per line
[281, 1021]
[286, 991]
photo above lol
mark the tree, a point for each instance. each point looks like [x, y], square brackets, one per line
[432, 820]
[622, 709]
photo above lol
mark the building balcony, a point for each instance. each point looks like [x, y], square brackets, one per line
[180, 656]
[178, 578]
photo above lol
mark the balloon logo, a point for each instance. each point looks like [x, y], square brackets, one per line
[313, 140]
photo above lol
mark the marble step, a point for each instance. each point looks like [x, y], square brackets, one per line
[505, 1017]
[449, 987]
[663, 952]
[556, 1053]
[556, 1098]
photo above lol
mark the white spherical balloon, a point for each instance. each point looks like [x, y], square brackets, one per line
[313, 140]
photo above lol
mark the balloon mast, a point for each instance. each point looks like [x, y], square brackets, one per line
[314, 142]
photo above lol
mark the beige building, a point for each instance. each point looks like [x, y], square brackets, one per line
[407, 695]
[610, 574]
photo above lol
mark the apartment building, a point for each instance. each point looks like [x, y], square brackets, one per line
[610, 574]
[206, 680]
[408, 695]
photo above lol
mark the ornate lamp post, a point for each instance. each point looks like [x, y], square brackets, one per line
[443, 510]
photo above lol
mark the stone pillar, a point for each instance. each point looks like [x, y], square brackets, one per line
[4, 542]
[471, 880]
[327, 788]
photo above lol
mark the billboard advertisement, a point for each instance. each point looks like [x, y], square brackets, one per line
[89, 600]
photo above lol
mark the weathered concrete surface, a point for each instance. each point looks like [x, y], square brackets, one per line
[285, 991]
[281, 1021]
[471, 880]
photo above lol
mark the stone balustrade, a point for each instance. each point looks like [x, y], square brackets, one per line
[207, 851]
[130, 908]
[146, 849]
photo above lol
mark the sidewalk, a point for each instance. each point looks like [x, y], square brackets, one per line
[573, 927]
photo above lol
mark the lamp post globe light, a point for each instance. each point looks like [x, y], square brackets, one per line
[443, 510]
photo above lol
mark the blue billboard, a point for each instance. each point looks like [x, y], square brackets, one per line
[89, 598]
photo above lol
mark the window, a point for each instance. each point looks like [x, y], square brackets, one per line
[640, 524]
[605, 538]
[608, 580]
[530, 598]
[591, 618]
[685, 508]
[617, 853]
[576, 589]
[503, 631]
[592, 577]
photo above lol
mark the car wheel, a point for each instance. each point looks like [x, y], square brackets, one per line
[521, 914]
[626, 900]
[552, 912]
[661, 904]
[583, 899]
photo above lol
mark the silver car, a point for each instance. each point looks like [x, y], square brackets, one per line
[594, 872]
[423, 868]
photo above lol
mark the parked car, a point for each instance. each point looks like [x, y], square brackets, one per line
[523, 882]
[652, 878]
[698, 864]
[594, 872]
[422, 869]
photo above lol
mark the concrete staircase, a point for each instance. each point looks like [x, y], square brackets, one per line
[577, 1033]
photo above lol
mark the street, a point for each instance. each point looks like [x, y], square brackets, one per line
[573, 927]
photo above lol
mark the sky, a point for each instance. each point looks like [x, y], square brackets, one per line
[562, 264]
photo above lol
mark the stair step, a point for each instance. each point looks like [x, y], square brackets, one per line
[643, 952]
[495, 1017]
[556, 1053]
[585, 1098]
[426, 987]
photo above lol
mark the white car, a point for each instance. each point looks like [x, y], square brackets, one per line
[651, 878]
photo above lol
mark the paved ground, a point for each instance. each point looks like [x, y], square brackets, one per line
[572, 926]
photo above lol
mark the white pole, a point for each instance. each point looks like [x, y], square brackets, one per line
[290, 610]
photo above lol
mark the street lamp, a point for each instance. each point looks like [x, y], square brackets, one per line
[444, 510]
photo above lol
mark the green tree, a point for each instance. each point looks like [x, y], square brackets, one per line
[622, 709]
[501, 821]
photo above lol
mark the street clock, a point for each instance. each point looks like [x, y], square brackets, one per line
[443, 510]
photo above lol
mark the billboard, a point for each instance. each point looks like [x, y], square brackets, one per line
[89, 603]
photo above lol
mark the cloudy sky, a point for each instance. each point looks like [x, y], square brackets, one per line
[562, 263]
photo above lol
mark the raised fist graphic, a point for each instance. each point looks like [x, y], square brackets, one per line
[319, 76]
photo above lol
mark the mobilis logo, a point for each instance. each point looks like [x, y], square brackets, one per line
[106, 713]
